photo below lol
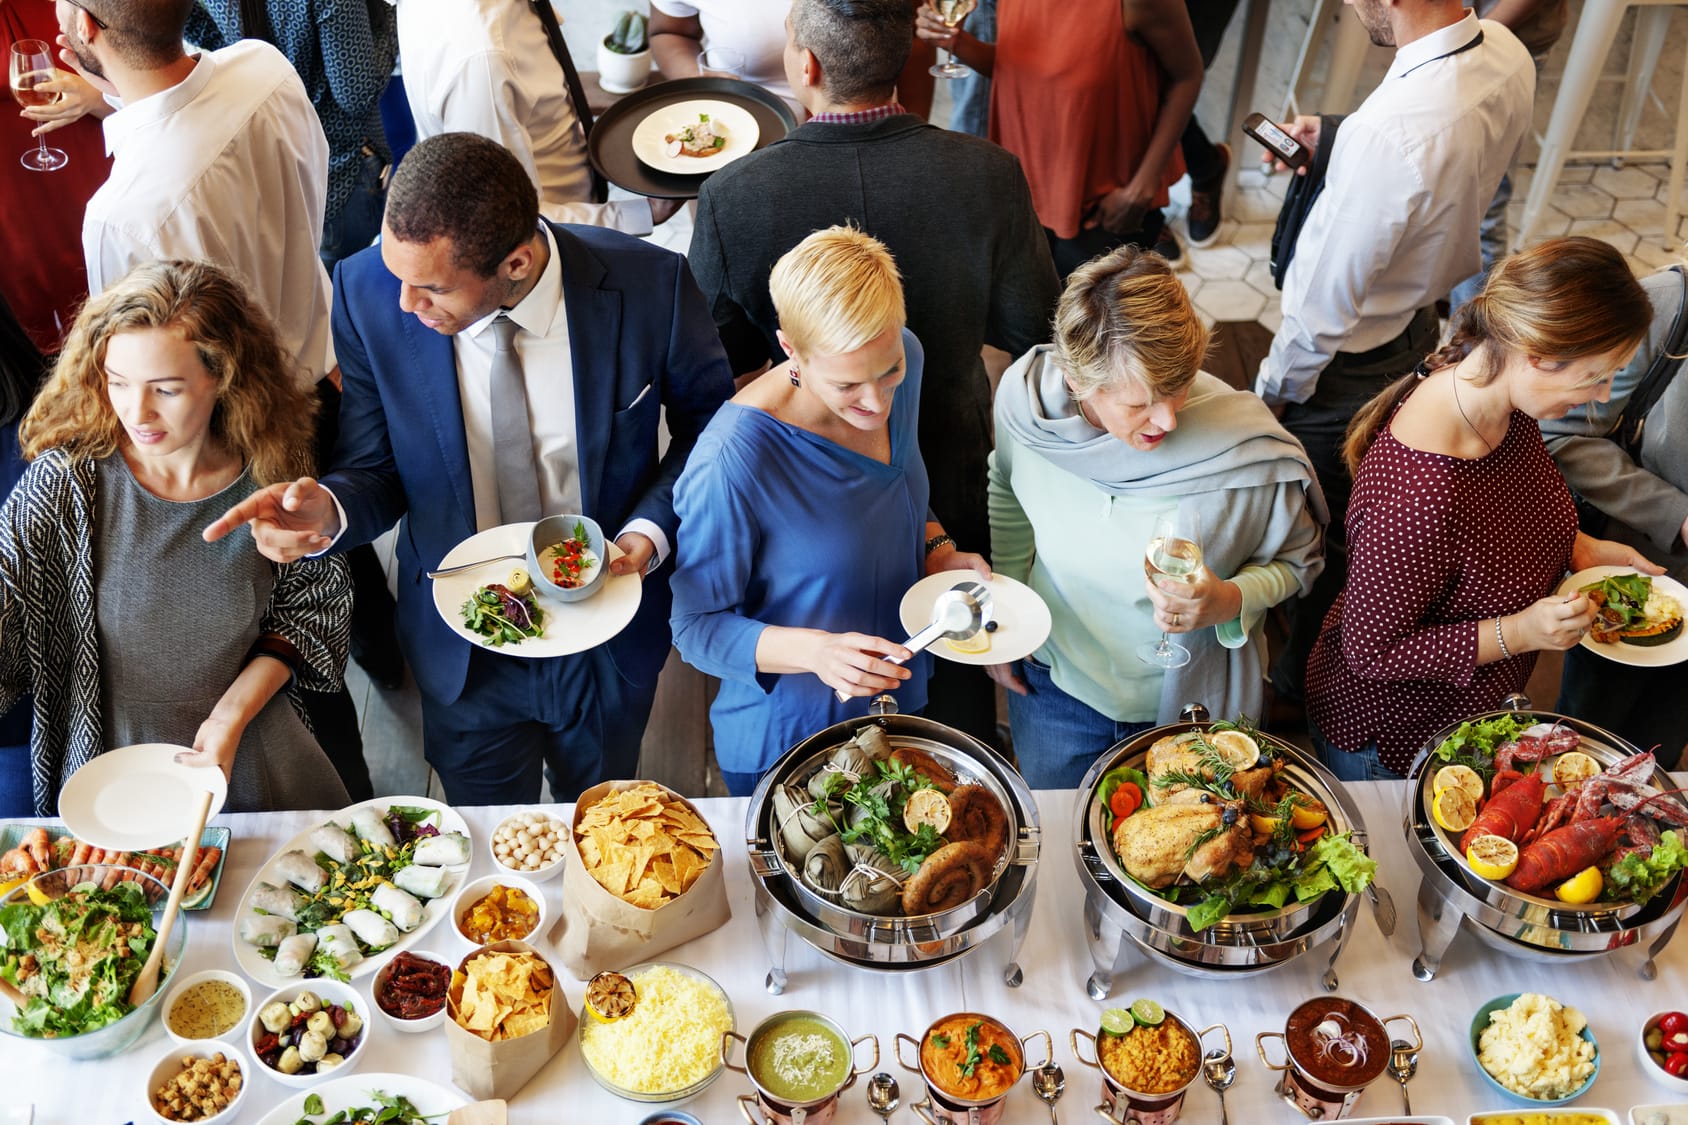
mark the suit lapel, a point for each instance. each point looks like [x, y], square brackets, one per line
[594, 320]
[434, 378]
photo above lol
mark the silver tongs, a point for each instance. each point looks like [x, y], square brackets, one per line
[957, 614]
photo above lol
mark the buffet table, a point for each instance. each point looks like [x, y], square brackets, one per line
[1373, 970]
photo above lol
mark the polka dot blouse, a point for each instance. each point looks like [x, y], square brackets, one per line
[1437, 545]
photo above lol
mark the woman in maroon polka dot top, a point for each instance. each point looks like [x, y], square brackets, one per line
[1461, 527]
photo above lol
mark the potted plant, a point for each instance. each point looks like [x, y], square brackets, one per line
[624, 56]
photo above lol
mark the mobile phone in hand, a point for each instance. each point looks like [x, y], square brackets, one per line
[1283, 146]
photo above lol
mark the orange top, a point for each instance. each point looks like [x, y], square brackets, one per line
[1077, 107]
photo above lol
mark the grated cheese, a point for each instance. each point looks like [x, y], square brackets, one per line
[671, 1039]
[800, 1060]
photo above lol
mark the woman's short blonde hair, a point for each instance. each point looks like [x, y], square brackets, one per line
[262, 414]
[835, 291]
[1124, 316]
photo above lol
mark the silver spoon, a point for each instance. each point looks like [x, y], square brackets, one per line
[956, 614]
[883, 1097]
[1050, 1082]
[443, 571]
[1403, 1064]
[1219, 1069]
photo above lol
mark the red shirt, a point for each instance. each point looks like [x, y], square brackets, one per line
[45, 278]
[1436, 545]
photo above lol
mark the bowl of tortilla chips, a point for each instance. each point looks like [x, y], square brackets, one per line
[644, 845]
[501, 994]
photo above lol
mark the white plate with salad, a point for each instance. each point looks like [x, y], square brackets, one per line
[413, 1099]
[1646, 636]
[692, 137]
[564, 627]
[350, 886]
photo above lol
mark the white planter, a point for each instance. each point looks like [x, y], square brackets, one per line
[622, 74]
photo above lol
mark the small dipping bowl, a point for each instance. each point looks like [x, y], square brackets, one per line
[537, 874]
[1653, 1070]
[329, 992]
[551, 531]
[1121, 1103]
[777, 1103]
[174, 1062]
[178, 992]
[379, 986]
[480, 888]
[1480, 1021]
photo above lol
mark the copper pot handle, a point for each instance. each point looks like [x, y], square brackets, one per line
[1095, 1061]
[1219, 1027]
[861, 1070]
[1260, 1048]
[897, 1049]
[746, 1104]
[1418, 1039]
[1048, 1051]
[922, 1108]
[1105, 1114]
[727, 1038]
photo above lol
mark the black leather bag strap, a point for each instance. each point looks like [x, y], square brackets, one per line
[1633, 421]
[255, 21]
[1299, 198]
[577, 90]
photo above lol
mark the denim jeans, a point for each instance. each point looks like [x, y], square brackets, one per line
[972, 95]
[740, 784]
[1351, 765]
[359, 221]
[1056, 737]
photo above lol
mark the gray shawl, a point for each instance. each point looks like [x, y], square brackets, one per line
[1230, 463]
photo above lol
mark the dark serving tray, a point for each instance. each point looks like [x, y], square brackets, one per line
[610, 145]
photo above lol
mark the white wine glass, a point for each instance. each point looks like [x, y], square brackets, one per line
[1174, 552]
[952, 12]
[31, 65]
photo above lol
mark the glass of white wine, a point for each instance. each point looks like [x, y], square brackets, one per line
[32, 64]
[1174, 552]
[952, 12]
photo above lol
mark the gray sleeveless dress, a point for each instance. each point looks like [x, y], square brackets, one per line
[176, 617]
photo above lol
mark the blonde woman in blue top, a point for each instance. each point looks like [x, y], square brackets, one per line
[803, 514]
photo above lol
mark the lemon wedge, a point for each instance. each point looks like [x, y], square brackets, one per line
[1573, 767]
[1459, 777]
[1583, 887]
[977, 643]
[38, 896]
[1493, 857]
[1238, 750]
[1454, 809]
[1307, 812]
[927, 806]
[1263, 825]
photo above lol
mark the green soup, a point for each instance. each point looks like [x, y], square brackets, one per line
[800, 1059]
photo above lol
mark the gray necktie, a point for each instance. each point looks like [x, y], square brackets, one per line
[512, 435]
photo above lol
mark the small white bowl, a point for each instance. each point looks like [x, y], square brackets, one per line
[330, 992]
[170, 1064]
[480, 888]
[1654, 1071]
[426, 1023]
[537, 874]
[233, 980]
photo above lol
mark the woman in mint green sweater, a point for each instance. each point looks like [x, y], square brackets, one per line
[1097, 436]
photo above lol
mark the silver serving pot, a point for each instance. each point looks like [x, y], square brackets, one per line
[1120, 1103]
[765, 1107]
[940, 1107]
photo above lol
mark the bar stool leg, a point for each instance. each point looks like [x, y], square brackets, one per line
[1593, 42]
[1651, 25]
[1678, 165]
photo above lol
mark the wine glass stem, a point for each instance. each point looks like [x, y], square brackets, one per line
[42, 142]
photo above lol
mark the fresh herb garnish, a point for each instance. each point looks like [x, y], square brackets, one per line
[878, 799]
[940, 1040]
[389, 1109]
[971, 1062]
[501, 616]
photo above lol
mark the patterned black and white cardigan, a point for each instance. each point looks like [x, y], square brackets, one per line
[48, 642]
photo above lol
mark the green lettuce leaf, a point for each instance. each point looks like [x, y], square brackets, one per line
[1109, 785]
[1637, 879]
[1208, 911]
[1478, 739]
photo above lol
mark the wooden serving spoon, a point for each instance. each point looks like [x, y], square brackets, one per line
[147, 983]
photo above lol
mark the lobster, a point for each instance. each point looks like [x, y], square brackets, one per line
[1562, 853]
[1511, 813]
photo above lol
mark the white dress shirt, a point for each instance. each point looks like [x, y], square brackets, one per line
[1410, 176]
[229, 165]
[485, 66]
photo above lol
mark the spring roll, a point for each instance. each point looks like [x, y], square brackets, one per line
[367, 824]
[398, 905]
[337, 941]
[446, 850]
[423, 882]
[265, 929]
[300, 870]
[294, 953]
[372, 929]
[283, 902]
[334, 842]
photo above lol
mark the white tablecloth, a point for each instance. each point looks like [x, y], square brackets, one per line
[1373, 970]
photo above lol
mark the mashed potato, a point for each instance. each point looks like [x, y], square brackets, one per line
[1535, 1048]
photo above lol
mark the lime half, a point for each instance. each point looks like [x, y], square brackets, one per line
[1117, 1021]
[1147, 1012]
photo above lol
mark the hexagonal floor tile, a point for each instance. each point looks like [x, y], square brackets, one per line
[1219, 263]
[1271, 318]
[1255, 239]
[1582, 201]
[1633, 182]
[1230, 300]
[1608, 231]
[1259, 275]
[1192, 282]
[1256, 206]
[1651, 256]
[1643, 216]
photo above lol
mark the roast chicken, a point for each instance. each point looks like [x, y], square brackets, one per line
[1181, 753]
[1155, 843]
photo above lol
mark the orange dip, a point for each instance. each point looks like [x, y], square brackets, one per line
[502, 914]
[970, 1057]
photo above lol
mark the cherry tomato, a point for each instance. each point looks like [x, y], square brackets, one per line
[1674, 1023]
[1676, 1064]
[1126, 800]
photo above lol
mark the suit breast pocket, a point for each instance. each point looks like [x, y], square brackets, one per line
[636, 422]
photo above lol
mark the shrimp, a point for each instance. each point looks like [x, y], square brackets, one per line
[18, 864]
[40, 847]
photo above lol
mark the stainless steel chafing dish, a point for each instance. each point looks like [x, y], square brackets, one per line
[1523, 925]
[1125, 921]
[999, 915]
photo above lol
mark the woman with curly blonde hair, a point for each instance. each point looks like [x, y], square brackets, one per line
[171, 400]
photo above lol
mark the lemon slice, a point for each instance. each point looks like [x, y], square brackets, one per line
[1454, 809]
[1238, 750]
[978, 642]
[1492, 857]
[1263, 825]
[1459, 777]
[1307, 812]
[38, 896]
[1573, 767]
[610, 996]
[1585, 886]
[927, 806]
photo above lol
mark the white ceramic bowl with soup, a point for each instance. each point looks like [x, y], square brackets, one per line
[529, 844]
[189, 1079]
[207, 1005]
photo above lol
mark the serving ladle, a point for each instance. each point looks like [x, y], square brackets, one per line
[883, 1096]
[1403, 1064]
[1219, 1071]
[1049, 1082]
[957, 613]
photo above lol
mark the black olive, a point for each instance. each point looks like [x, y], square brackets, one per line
[990, 626]
[1229, 816]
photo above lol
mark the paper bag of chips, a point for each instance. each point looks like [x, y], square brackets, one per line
[506, 1015]
[641, 874]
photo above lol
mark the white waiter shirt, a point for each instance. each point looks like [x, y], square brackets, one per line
[229, 165]
[485, 66]
[1410, 176]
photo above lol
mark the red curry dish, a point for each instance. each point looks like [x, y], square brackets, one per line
[971, 1058]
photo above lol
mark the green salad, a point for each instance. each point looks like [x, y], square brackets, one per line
[388, 1109]
[75, 957]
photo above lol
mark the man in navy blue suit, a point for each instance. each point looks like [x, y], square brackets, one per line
[470, 323]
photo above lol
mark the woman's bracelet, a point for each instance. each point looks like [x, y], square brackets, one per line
[1500, 638]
